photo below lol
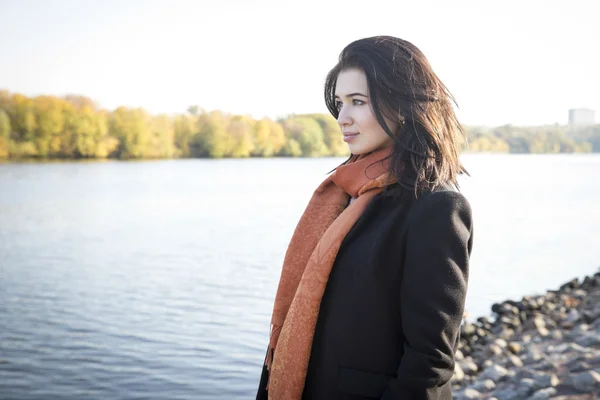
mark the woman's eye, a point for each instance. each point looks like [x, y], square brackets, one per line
[355, 102]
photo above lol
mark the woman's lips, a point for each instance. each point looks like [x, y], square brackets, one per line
[348, 136]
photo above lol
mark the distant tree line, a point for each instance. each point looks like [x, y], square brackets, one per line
[75, 127]
[537, 139]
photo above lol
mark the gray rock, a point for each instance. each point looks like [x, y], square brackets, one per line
[578, 366]
[501, 343]
[468, 366]
[506, 334]
[543, 394]
[510, 321]
[468, 329]
[525, 389]
[494, 372]
[557, 335]
[515, 347]
[590, 315]
[459, 374]
[527, 382]
[543, 332]
[503, 332]
[583, 327]
[561, 348]
[544, 365]
[537, 321]
[484, 386]
[588, 339]
[579, 294]
[458, 356]
[572, 316]
[526, 373]
[543, 381]
[469, 393]
[558, 316]
[588, 381]
[595, 326]
[533, 355]
[494, 349]
[509, 309]
[550, 323]
[514, 361]
[572, 284]
[594, 360]
[578, 348]
[505, 394]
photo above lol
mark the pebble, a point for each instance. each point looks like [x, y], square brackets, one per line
[534, 348]
[588, 381]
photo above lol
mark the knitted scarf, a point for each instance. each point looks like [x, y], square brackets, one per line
[308, 262]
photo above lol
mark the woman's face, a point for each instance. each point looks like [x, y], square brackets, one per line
[359, 126]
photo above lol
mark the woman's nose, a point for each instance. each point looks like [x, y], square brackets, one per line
[344, 118]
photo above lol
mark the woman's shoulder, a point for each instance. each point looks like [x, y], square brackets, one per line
[444, 196]
[445, 212]
[443, 200]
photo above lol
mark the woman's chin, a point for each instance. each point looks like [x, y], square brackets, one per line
[356, 150]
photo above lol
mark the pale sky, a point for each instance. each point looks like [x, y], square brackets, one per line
[524, 62]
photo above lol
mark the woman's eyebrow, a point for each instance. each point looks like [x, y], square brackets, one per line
[352, 94]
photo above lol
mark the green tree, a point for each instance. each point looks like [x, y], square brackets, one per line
[184, 127]
[130, 127]
[308, 133]
[332, 135]
[23, 119]
[269, 138]
[263, 146]
[241, 133]
[4, 134]
[86, 134]
[291, 148]
[50, 124]
[193, 110]
[161, 138]
[276, 136]
[212, 139]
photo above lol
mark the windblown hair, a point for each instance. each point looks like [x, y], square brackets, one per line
[403, 87]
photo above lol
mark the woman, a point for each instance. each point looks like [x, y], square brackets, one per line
[373, 285]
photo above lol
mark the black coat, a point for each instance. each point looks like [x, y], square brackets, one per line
[388, 326]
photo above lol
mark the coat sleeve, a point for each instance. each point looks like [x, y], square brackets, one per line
[261, 392]
[432, 295]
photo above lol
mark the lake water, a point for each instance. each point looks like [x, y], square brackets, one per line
[155, 279]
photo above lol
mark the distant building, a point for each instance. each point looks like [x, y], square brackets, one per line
[581, 117]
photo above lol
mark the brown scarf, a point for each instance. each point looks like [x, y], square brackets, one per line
[308, 262]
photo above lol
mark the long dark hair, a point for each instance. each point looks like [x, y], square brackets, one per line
[403, 87]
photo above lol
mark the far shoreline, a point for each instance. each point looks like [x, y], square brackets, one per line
[130, 160]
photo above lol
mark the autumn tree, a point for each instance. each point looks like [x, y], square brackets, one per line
[241, 131]
[332, 135]
[307, 133]
[130, 127]
[4, 134]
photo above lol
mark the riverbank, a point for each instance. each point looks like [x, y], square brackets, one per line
[541, 347]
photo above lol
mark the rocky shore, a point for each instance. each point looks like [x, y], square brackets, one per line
[541, 347]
